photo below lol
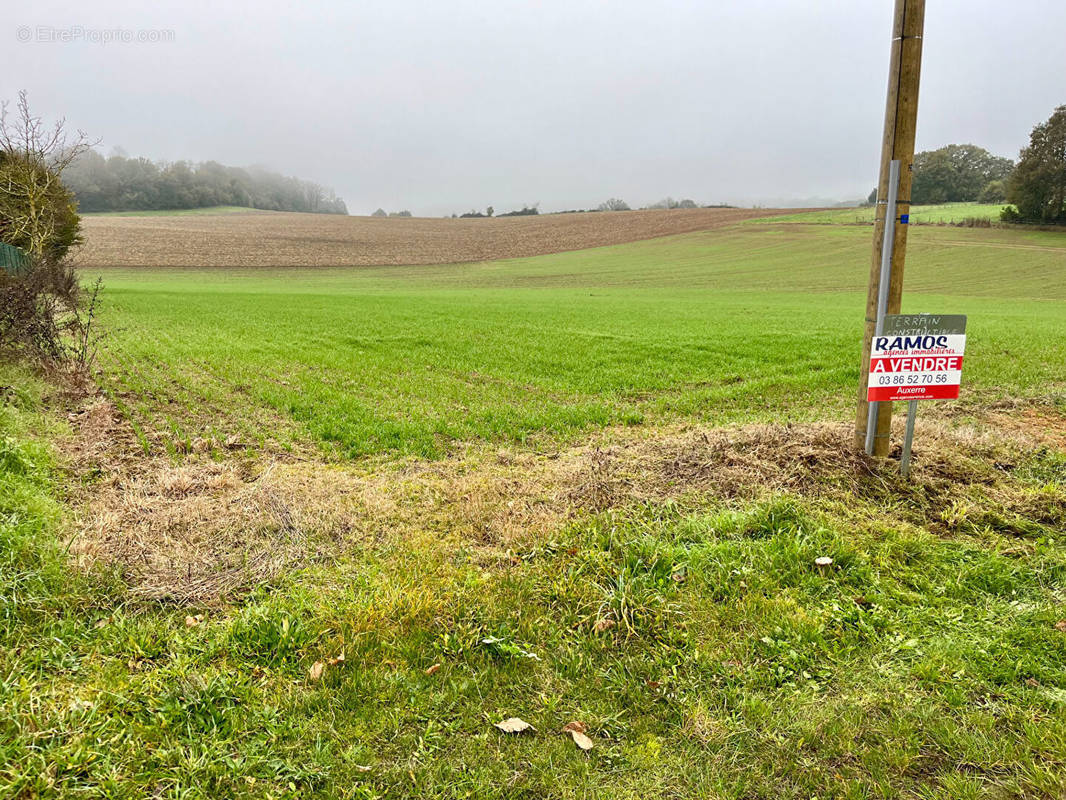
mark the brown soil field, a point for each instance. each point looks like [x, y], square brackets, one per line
[275, 239]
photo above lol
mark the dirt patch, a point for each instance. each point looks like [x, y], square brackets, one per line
[203, 526]
[1038, 424]
[287, 240]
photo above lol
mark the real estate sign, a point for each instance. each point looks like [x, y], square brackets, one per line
[917, 357]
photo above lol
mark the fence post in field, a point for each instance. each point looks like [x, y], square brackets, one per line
[901, 113]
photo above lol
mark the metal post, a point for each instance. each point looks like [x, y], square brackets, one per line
[882, 287]
[905, 462]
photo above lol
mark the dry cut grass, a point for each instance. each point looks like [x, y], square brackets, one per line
[206, 526]
[289, 240]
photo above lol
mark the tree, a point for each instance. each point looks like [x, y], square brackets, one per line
[118, 183]
[613, 204]
[955, 173]
[380, 213]
[37, 212]
[669, 202]
[525, 211]
[1038, 185]
[994, 192]
[489, 211]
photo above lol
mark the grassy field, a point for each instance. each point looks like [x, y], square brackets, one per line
[943, 214]
[328, 526]
[754, 323]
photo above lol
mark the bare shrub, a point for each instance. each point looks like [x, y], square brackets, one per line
[44, 316]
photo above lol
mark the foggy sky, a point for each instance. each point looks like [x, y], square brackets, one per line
[448, 106]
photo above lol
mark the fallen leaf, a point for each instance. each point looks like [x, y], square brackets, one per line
[652, 684]
[316, 670]
[603, 625]
[192, 622]
[362, 768]
[101, 623]
[514, 725]
[581, 740]
[1061, 625]
[433, 670]
[577, 733]
[1032, 682]
[339, 659]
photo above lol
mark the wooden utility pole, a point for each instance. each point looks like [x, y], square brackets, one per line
[901, 114]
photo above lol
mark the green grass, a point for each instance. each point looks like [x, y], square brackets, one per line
[922, 664]
[178, 212]
[925, 663]
[944, 213]
[754, 323]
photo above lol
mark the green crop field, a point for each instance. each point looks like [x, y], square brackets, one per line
[324, 528]
[754, 323]
[942, 214]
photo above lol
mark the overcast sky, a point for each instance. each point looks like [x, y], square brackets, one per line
[446, 106]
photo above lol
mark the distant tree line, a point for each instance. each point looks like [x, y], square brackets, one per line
[1035, 187]
[957, 173]
[524, 211]
[669, 202]
[612, 204]
[118, 183]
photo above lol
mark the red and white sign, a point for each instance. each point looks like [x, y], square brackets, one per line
[916, 363]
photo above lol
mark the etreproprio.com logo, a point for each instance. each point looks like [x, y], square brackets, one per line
[71, 34]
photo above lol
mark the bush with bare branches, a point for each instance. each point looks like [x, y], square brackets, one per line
[43, 314]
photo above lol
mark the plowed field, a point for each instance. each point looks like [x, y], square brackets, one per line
[272, 239]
